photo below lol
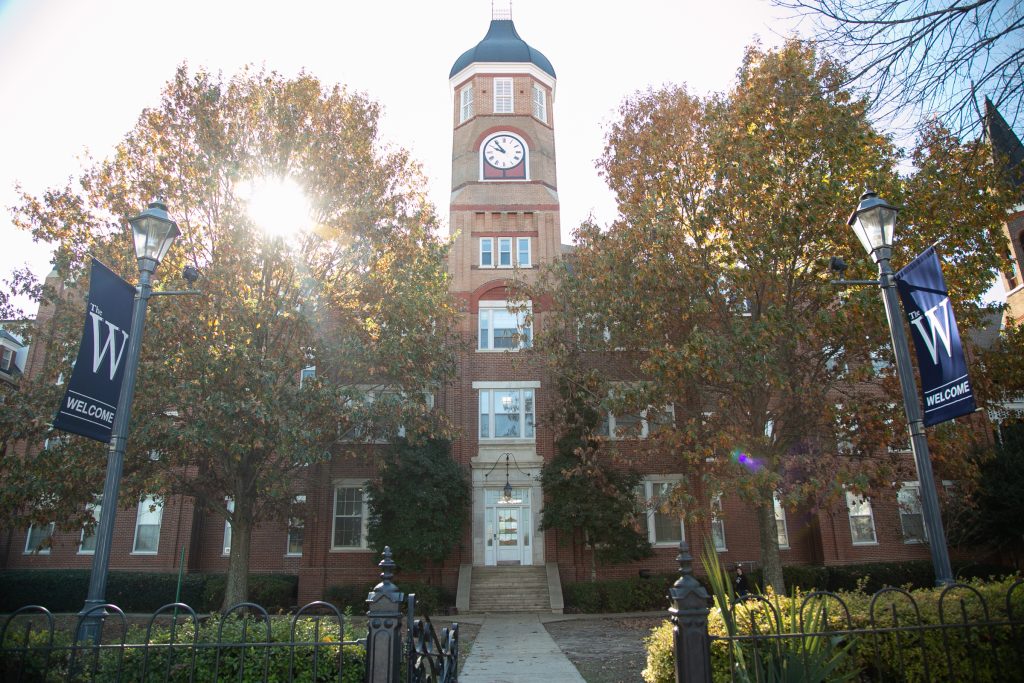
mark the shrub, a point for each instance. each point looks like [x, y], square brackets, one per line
[974, 655]
[430, 599]
[273, 592]
[64, 590]
[211, 663]
[619, 595]
[352, 596]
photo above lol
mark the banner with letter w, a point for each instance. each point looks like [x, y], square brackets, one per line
[90, 401]
[945, 387]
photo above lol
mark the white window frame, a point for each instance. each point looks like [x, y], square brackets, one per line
[7, 358]
[505, 248]
[504, 98]
[540, 103]
[466, 104]
[296, 524]
[520, 261]
[608, 427]
[487, 252]
[648, 488]
[782, 527]
[225, 551]
[860, 507]
[94, 510]
[308, 372]
[143, 509]
[486, 314]
[360, 486]
[33, 548]
[718, 524]
[908, 499]
[486, 398]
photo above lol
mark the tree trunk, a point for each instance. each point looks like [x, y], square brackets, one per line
[771, 563]
[237, 589]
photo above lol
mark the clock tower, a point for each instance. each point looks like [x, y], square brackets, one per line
[504, 218]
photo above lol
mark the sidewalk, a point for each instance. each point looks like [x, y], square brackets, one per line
[516, 647]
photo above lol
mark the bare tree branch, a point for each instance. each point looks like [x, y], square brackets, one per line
[923, 58]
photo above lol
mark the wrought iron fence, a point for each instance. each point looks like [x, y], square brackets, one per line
[826, 636]
[317, 643]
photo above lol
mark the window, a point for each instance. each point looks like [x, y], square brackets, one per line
[87, 546]
[780, 522]
[230, 505]
[862, 521]
[637, 425]
[540, 104]
[523, 252]
[466, 104]
[147, 526]
[6, 359]
[511, 252]
[718, 524]
[504, 252]
[501, 328]
[486, 252]
[306, 373]
[664, 527]
[502, 95]
[880, 361]
[37, 541]
[911, 518]
[296, 530]
[506, 414]
[349, 530]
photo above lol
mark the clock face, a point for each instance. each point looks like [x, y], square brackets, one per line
[504, 151]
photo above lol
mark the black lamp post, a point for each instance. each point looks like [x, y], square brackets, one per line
[874, 222]
[154, 232]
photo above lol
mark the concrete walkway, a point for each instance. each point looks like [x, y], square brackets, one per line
[516, 647]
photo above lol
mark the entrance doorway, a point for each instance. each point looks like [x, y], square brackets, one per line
[507, 528]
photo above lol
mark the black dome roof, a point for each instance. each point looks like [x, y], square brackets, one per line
[502, 44]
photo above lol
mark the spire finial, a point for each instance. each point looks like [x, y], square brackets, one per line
[501, 9]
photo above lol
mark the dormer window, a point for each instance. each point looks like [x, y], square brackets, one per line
[503, 96]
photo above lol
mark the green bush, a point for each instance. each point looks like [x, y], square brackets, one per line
[976, 655]
[430, 599]
[64, 590]
[349, 595]
[619, 595]
[272, 592]
[211, 664]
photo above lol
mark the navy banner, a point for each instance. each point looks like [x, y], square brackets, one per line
[90, 402]
[945, 387]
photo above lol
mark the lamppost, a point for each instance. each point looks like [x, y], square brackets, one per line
[153, 232]
[874, 221]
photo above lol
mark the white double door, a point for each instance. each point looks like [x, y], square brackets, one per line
[508, 536]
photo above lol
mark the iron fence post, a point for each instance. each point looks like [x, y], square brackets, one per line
[691, 605]
[384, 626]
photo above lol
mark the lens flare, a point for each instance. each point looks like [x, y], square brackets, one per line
[741, 458]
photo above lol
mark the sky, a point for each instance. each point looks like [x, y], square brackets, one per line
[75, 74]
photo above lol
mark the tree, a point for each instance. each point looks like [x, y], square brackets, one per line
[711, 289]
[405, 503]
[588, 497]
[930, 58]
[220, 413]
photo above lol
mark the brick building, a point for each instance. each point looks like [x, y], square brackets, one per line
[505, 214]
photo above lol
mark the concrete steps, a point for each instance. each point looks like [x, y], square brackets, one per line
[509, 589]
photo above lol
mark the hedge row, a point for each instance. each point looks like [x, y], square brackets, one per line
[640, 594]
[618, 595]
[874, 576]
[64, 590]
[982, 653]
[430, 599]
